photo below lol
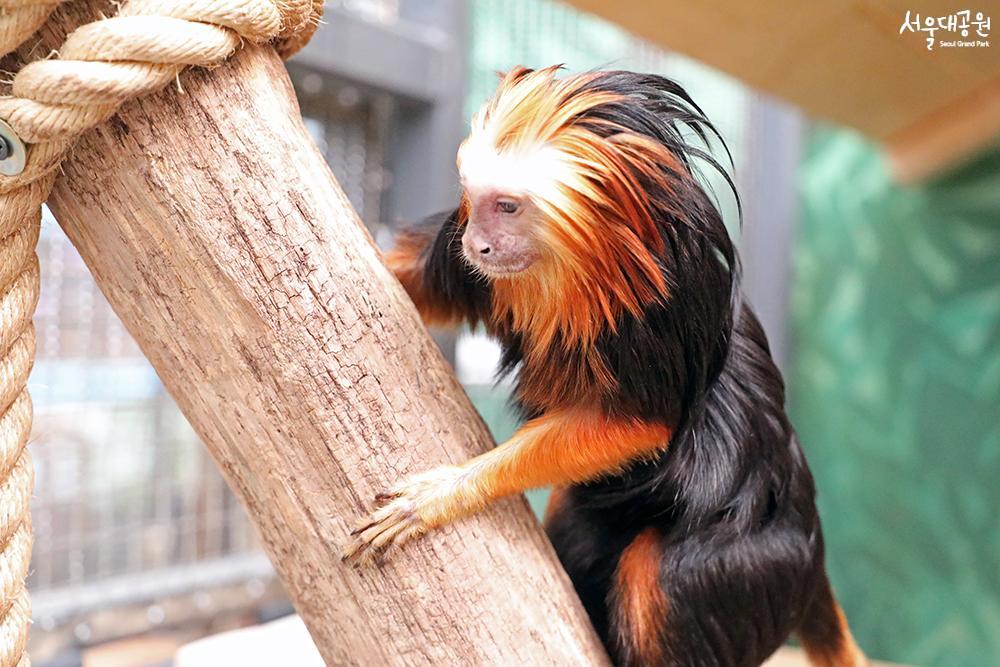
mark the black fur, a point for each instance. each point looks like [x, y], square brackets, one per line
[731, 496]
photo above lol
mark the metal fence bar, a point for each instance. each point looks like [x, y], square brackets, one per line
[49, 607]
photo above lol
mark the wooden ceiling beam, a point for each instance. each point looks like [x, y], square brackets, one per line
[843, 61]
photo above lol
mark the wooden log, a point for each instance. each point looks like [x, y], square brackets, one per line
[220, 237]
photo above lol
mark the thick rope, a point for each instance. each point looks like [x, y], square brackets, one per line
[100, 66]
[19, 19]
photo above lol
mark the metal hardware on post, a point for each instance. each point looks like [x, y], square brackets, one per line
[13, 153]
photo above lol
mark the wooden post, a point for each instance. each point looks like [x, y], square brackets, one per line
[218, 234]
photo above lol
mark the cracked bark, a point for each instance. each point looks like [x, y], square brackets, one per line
[221, 239]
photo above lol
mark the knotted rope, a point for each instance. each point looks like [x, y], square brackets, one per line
[100, 66]
[19, 19]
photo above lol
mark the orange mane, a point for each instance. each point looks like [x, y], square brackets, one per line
[599, 238]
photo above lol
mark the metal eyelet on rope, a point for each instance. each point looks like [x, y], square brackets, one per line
[13, 154]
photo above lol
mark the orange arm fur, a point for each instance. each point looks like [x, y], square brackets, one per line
[558, 448]
[563, 447]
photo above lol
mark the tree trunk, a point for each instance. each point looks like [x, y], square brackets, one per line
[215, 229]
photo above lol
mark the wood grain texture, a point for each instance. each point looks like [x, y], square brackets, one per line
[220, 237]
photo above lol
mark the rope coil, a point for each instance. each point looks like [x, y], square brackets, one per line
[19, 19]
[100, 66]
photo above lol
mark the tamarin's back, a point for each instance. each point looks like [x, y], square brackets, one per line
[683, 509]
[731, 496]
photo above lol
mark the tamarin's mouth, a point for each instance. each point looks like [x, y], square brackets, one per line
[499, 267]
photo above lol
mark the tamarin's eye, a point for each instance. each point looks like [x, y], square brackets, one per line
[505, 206]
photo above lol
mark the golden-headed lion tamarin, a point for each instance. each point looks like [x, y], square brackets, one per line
[683, 507]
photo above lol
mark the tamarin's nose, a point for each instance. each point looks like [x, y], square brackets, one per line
[485, 250]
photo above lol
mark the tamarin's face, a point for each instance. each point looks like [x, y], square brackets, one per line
[504, 182]
[554, 189]
[498, 236]
[504, 226]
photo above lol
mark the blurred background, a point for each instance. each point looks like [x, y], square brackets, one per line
[873, 257]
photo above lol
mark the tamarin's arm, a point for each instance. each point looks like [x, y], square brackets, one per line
[427, 260]
[558, 448]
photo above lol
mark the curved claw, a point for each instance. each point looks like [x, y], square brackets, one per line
[392, 524]
[406, 511]
[362, 528]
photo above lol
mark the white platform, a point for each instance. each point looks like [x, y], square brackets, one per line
[286, 642]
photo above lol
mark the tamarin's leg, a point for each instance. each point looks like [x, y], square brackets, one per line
[589, 540]
[561, 447]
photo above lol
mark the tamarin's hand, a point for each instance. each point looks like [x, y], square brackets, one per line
[409, 509]
[563, 447]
